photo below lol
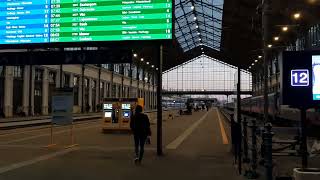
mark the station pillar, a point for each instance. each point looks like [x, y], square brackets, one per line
[266, 13]
[26, 83]
[8, 92]
[45, 92]
[71, 82]
[159, 103]
[81, 89]
[90, 94]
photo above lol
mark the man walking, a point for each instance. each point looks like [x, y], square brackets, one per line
[140, 127]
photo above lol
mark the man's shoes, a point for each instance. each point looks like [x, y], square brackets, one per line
[136, 161]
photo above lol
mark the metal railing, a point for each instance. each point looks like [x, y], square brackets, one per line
[255, 141]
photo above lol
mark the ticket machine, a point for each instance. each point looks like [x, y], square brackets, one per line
[117, 113]
[126, 112]
[111, 114]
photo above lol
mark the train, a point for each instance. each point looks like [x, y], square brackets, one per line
[278, 114]
[174, 103]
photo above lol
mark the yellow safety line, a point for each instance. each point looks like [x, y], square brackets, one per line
[223, 131]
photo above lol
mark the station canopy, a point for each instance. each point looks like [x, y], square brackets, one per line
[205, 73]
[198, 23]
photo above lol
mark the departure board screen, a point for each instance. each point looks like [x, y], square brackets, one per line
[63, 21]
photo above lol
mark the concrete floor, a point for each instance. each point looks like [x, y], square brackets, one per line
[196, 150]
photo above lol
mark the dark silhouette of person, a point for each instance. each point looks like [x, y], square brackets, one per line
[140, 126]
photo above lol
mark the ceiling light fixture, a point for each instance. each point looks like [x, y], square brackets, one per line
[285, 28]
[296, 16]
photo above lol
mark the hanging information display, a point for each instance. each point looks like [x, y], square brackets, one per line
[300, 78]
[61, 21]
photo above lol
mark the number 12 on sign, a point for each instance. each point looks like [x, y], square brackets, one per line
[300, 77]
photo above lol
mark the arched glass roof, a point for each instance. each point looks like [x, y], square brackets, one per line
[205, 74]
[198, 23]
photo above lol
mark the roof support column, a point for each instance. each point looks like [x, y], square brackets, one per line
[266, 11]
[159, 103]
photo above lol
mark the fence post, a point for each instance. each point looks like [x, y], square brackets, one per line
[268, 151]
[245, 140]
[262, 132]
[252, 173]
[239, 144]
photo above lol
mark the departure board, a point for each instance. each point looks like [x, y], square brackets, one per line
[61, 21]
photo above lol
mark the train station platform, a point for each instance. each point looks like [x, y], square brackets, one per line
[195, 147]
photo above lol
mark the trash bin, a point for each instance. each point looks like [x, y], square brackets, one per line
[306, 174]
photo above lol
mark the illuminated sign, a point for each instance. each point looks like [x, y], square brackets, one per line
[61, 21]
[126, 106]
[300, 77]
[126, 114]
[107, 106]
[316, 77]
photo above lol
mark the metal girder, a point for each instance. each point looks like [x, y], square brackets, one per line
[219, 21]
[189, 36]
[207, 32]
[219, 30]
[213, 7]
[186, 20]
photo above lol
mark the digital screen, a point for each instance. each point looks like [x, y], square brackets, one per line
[299, 85]
[54, 21]
[316, 77]
[107, 114]
[107, 106]
[126, 114]
[126, 106]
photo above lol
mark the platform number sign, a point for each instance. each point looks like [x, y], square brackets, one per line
[300, 77]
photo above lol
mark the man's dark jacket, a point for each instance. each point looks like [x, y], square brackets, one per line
[140, 124]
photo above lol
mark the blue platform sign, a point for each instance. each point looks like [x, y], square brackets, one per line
[300, 77]
[62, 106]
